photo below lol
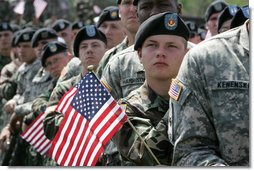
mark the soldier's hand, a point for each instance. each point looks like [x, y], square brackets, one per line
[16, 122]
[5, 137]
[10, 106]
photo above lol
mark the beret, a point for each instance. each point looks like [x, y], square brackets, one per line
[25, 35]
[192, 26]
[110, 13]
[60, 25]
[15, 27]
[77, 25]
[165, 23]
[215, 7]
[43, 34]
[118, 1]
[4, 26]
[86, 33]
[240, 17]
[52, 48]
[227, 14]
[14, 37]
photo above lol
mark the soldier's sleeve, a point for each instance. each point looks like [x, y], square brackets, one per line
[191, 127]
[111, 77]
[24, 109]
[132, 147]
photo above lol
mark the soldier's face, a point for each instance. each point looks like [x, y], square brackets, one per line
[67, 35]
[114, 31]
[91, 52]
[147, 8]
[54, 64]
[26, 52]
[5, 39]
[212, 24]
[128, 15]
[161, 56]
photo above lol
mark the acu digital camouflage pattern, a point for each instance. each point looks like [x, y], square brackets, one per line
[108, 55]
[124, 73]
[210, 121]
[147, 112]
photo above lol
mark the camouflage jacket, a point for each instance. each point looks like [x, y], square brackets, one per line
[39, 85]
[8, 85]
[53, 119]
[24, 77]
[108, 55]
[4, 61]
[209, 121]
[123, 73]
[147, 112]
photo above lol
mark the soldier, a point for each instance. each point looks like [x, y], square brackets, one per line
[54, 57]
[225, 18]
[210, 103]
[128, 15]
[89, 45]
[124, 72]
[211, 16]
[63, 29]
[194, 37]
[24, 77]
[161, 43]
[110, 24]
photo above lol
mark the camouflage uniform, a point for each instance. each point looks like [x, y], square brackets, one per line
[210, 119]
[147, 112]
[123, 73]
[108, 55]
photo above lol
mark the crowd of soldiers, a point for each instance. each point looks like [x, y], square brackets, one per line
[184, 89]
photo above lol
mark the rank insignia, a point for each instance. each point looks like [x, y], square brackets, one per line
[52, 48]
[113, 14]
[90, 31]
[175, 89]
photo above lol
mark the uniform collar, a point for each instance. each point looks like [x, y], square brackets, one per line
[153, 100]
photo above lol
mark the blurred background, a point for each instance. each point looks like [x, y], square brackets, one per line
[39, 12]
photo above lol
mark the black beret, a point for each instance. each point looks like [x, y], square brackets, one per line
[15, 27]
[4, 26]
[215, 7]
[14, 37]
[52, 48]
[135, 2]
[163, 23]
[60, 25]
[227, 14]
[240, 17]
[43, 34]
[86, 33]
[192, 26]
[25, 35]
[110, 13]
[77, 25]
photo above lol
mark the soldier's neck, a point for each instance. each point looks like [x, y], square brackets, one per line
[6, 52]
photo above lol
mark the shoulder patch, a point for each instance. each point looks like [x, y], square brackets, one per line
[175, 89]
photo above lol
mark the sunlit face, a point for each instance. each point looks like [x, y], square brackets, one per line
[114, 32]
[25, 52]
[5, 40]
[67, 35]
[91, 52]
[211, 24]
[54, 64]
[147, 8]
[128, 15]
[161, 56]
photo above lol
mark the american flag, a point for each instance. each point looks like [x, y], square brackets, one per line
[35, 136]
[91, 118]
[175, 89]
